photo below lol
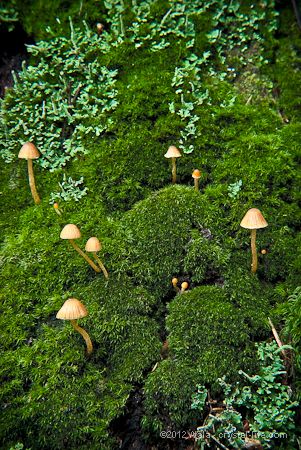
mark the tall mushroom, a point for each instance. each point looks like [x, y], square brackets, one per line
[173, 153]
[72, 310]
[196, 175]
[253, 220]
[71, 232]
[93, 245]
[29, 151]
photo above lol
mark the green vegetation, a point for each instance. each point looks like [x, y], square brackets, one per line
[218, 82]
[265, 398]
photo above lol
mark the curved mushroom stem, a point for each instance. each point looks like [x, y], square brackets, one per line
[32, 184]
[254, 251]
[83, 254]
[105, 272]
[84, 335]
[174, 170]
[196, 184]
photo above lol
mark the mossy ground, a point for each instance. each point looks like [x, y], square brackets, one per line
[52, 395]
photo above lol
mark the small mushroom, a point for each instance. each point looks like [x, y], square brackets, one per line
[100, 28]
[184, 286]
[57, 209]
[173, 153]
[71, 232]
[174, 282]
[93, 245]
[253, 220]
[196, 175]
[72, 310]
[29, 151]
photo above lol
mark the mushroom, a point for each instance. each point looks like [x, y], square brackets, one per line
[174, 282]
[71, 232]
[173, 153]
[253, 220]
[29, 151]
[72, 310]
[57, 209]
[184, 286]
[100, 28]
[196, 174]
[93, 245]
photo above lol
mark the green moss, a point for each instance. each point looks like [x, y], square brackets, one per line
[151, 231]
[155, 233]
[205, 332]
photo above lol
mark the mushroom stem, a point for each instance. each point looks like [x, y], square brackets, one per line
[32, 184]
[174, 170]
[254, 251]
[84, 335]
[196, 184]
[105, 272]
[83, 254]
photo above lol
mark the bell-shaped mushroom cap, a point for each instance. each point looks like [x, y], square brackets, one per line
[70, 231]
[93, 245]
[196, 174]
[172, 152]
[72, 309]
[29, 151]
[253, 220]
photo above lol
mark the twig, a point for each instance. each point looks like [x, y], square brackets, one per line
[217, 442]
[76, 94]
[277, 338]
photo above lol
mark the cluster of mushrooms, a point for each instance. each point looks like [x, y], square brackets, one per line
[173, 153]
[73, 309]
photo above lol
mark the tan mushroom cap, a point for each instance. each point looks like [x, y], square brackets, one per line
[172, 152]
[93, 245]
[29, 151]
[72, 309]
[253, 220]
[70, 231]
[196, 174]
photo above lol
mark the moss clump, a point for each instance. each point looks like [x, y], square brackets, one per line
[205, 332]
[156, 232]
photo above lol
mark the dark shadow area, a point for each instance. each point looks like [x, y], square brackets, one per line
[12, 53]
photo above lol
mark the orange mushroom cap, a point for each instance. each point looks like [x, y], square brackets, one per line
[172, 152]
[29, 151]
[184, 285]
[174, 281]
[196, 174]
[253, 220]
[93, 245]
[70, 231]
[72, 309]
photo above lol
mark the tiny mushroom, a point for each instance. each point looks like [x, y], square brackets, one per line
[174, 282]
[57, 209]
[253, 220]
[93, 245]
[196, 175]
[184, 286]
[99, 27]
[71, 232]
[173, 153]
[29, 151]
[72, 310]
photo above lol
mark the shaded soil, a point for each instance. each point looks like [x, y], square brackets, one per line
[12, 53]
[127, 429]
